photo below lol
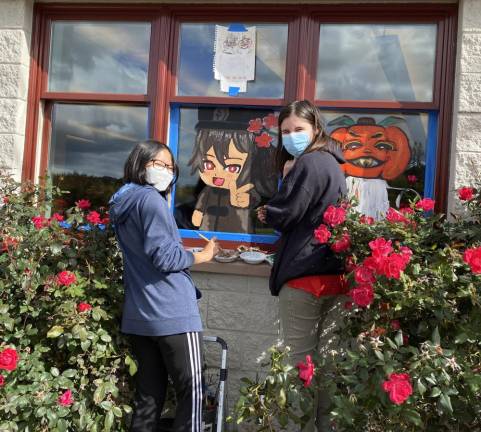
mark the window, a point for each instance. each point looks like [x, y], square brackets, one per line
[106, 77]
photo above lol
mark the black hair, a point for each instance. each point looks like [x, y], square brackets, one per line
[258, 165]
[305, 110]
[140, 156]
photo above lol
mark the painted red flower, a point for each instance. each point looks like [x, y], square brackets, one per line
[2, 380]
[39, 222]
[367, 220]
[255, 125]
[306, 370]
[264, 140]
[66, 398]
[66, 278]
[94, 218]
[83, 204]
[270, 121]
[83, 307]
[8, 359]
[412, 179]
[399, 387]
[322, 234]
[380, 247]
[394, 216]
[343, 244]
[334, 216]
[426, 204]
[466, 193]
[362, 295]
[472, 257]
[364, 275]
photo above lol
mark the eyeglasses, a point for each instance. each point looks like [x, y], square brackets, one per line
[156, 163]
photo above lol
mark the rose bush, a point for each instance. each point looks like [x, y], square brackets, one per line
[411, 357]
[63, 364]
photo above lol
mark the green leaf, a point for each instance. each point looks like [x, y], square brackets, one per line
[54, 371]
[445, 401]
[99, 394]
[399, 338]
[436, 338]
[379, 355]
[413, 416]
[117, 412]
[55, 331]
[130, 362]
[421, 387]
[435, 392]
[281, 398]
[109, 421]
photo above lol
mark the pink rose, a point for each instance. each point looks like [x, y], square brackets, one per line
[39, 222]
[66, 278]
[8, 359]
[364, 275]
[322, 234]
[343, 244]
[362, 295]
[466, 193]
[83, 307]
[394, 216]
[66, 398]
[426, 204]
[472, 257]
[380, 247]
[368, 220]
[399, 388]
[94, 218]
[334, 216]
[306, 371]
[83, 204]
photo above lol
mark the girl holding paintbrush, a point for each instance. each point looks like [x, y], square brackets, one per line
[160, 312]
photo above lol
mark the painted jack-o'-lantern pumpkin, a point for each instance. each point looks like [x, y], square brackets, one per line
[372, 150]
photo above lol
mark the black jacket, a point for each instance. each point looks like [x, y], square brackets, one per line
[314, 183]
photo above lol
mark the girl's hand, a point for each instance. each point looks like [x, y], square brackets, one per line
[210, 251]
[262, 214]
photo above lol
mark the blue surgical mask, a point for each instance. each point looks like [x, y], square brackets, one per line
[296, 142]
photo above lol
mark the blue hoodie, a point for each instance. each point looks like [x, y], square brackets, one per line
[160, 296]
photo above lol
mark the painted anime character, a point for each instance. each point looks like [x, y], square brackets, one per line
[374, 154]
[234, 160]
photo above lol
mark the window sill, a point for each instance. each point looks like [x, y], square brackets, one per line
[234, 268]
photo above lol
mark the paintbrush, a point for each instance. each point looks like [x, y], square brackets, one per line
[207, 240]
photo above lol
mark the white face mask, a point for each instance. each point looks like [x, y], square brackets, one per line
[159, 178]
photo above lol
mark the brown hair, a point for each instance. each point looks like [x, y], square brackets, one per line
[309, 112]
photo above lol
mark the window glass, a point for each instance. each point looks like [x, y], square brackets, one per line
[376, 62]
[385, 154]
[103, 57]
[226, 159]
[196, 58]
[89, 146]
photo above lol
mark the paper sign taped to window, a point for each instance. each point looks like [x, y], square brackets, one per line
[235, 57]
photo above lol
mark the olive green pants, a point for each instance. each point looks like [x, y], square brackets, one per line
[307, 325]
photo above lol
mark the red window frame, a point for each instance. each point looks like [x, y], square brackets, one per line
[301, 63]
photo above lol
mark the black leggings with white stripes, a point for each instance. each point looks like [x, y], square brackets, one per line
[180, 357]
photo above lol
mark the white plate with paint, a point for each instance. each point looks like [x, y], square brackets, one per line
[253, 257]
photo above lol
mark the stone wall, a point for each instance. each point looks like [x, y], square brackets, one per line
[466, 142]
[15, 35]
[241, 310]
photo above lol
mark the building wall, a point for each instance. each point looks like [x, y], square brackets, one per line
[15, 35]
[466, 142]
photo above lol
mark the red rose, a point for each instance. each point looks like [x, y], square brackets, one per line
[270, 121]
[83, 204]
[412, 179]
[39, 222]
[66, 278]
[426, 204]
[306, 371]
[94, 218]
[58, 217]
[393, 265]
[322, 234]
[362, 295]
[368, 220]
[380, 247]
[106, 220]
[364, 275]
[264, 140]
[406, 253]
[2, 380]
[66, 398]
[466, 193]
[83, 307]
[348, 305]
[343, 244]
[394, 216]
[395, 324]
[472, 257]
[334, 215]
[399, 388]
[406, 211]
[373, 263]
[8, 359]
[350, 265]
[255, 125]
[6, 199]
